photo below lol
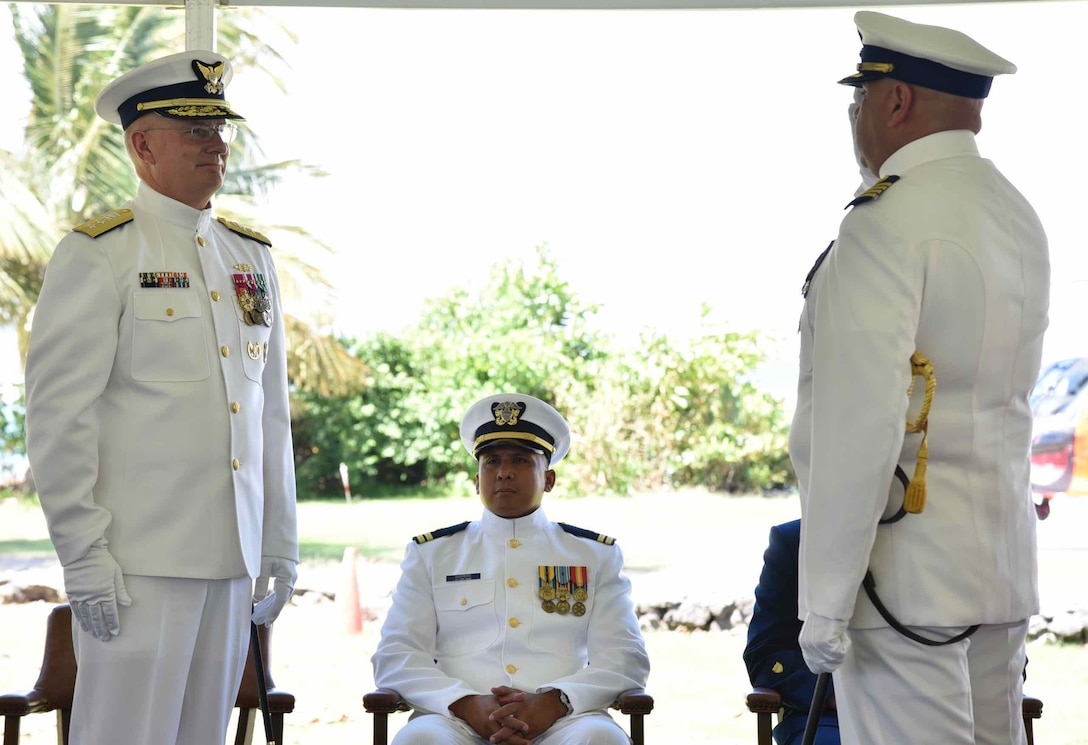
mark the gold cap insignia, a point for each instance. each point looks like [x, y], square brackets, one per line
[213, 73]
[507, 412]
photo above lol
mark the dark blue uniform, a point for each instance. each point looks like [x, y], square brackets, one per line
[773, 656]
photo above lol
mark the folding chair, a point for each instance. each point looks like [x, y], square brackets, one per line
[636, 703]
[57, 680]
[765, 703]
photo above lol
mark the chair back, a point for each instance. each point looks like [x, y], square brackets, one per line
[57, 680]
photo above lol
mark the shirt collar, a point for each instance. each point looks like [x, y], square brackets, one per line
[519, 527]
[171, 210]
[949, 144]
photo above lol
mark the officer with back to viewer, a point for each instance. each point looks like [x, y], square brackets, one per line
[940, 269]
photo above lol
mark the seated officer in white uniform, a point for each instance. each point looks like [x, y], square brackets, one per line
[943, 256]
[158, 425]
[512, 628]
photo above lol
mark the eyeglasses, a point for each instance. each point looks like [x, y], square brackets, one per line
[203, 133]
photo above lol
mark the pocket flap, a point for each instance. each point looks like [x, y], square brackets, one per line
[464, 595]
[164, 305]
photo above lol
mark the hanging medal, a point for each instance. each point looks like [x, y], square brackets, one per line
[562, 590]
[246, 291]
[547, 588]
[263, 304]
[580, 579]
[253, 298]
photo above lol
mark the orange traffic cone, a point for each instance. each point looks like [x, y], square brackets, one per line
[351, 613]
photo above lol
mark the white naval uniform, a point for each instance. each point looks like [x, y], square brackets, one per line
[467, 616]
[156, 416]
[952, 261]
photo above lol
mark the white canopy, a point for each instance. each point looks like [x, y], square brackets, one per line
[550, 4]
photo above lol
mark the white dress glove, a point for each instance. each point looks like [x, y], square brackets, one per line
[268, 606]
[868, 178]
[95, 587]
[824, 643]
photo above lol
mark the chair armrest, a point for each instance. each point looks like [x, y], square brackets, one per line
[634, 701]
[763, 701]
[1033, 708]
[280, 702]
[384, 701]
[21, 704]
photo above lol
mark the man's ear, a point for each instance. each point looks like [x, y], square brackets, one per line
[477, 482]
[549, 479]
[901, 100]
[141, 147]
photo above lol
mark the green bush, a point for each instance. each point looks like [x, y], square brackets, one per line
[664, 414]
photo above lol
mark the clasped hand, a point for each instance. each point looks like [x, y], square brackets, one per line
[509, 715]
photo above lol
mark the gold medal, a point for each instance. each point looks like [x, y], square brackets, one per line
[579, 577]
[546, 579]
[562, 607]
[579, 609]
[562, 584]
[548, 606]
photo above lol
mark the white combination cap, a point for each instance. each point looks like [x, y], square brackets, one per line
[188, 85]
[930, 56]
[515, 419]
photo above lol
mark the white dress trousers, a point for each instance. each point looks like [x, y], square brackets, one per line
[172, 676]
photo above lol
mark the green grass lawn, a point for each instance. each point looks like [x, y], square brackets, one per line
[698, 679]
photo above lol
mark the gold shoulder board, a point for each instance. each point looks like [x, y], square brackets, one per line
[873, 192]
[591, 535]
[440, 533]
[243, 230]
[103, 224]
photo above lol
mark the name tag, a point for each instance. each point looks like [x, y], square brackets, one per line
[462, 577]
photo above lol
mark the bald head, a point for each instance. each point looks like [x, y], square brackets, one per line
[893, 114]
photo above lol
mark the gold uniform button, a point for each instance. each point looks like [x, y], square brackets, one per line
[215, 295]
[201, 241]
[511, 669]
[169, 311]
[464, 601]
[513, 543]
[235, 407]
[224, 350]
[514, 623]
[512, 582]
[236, 464]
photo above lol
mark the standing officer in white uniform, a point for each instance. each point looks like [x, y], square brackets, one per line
[512, 628]
[945, 257]
[158, 427]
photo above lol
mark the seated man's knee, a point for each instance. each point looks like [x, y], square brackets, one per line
[595, 729]
[428, 729]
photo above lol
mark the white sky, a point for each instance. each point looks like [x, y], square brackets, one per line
[668, 158]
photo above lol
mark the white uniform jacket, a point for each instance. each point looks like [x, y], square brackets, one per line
[156, 416]
[952, 261]
[467, 616]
